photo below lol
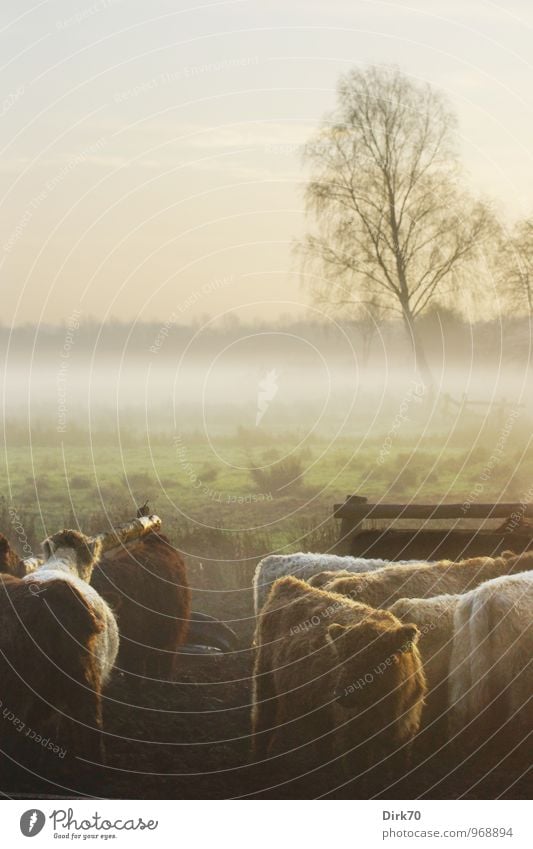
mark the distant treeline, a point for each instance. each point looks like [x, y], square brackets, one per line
[444, 334]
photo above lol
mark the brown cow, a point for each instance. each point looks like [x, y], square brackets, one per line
[147, 587]
[385, 586]
[333, 677]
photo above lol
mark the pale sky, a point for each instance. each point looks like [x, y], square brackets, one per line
[151, 151]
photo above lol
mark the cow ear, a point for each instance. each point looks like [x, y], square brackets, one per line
[95, 547]
[338, 585]
[47, 548]
[404, 638]
[335, 631]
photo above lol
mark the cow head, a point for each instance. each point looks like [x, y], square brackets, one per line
[73, 549]
[9, 559]
[371, 660]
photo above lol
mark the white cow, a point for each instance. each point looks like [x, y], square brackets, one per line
[491, 674]
[304, 566]
[434, 618]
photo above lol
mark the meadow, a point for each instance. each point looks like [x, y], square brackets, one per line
[246, 493]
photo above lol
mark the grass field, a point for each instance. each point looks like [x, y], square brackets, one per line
[245, 494]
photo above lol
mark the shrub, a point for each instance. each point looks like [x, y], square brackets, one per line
[41, 482]
[286, 474]
[478, 454]
[137, 479]
[315, 534]
[79, 482]
[406, 480]
[111, 492]
[209, 474]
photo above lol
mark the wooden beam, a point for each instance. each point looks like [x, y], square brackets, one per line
[129, 532]
[357, 511]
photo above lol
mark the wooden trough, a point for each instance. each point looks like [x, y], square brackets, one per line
[356, 510]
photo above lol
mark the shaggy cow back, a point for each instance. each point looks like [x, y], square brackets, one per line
[304, 566]
[382, 588]
[491, 672]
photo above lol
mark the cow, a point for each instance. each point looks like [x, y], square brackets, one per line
[333, 678]
[71, 556]
[146, 585]
[58, 644]
[434, 618]
[490, 681]
[304, 566]
[385, 586]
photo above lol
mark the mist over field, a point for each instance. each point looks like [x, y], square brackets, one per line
[259, 427]
[326, 379]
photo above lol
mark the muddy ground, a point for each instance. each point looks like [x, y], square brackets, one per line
[190, 739]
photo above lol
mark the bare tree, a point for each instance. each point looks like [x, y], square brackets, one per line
[392, 226]
[516, 267]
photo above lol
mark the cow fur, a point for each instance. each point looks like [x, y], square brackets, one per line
[147, 587]
[313, 650]
[322, 579]
[10, 562]
[434, 618]
[304, 566]
[491, 672]
[71, 556]
[385, 586]
[50, 678]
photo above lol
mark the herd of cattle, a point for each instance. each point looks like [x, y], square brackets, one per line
[357, 661]
[366, 661]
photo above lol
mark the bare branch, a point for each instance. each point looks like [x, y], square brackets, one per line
[390, 220]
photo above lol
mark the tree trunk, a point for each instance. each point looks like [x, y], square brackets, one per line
[421, 363]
